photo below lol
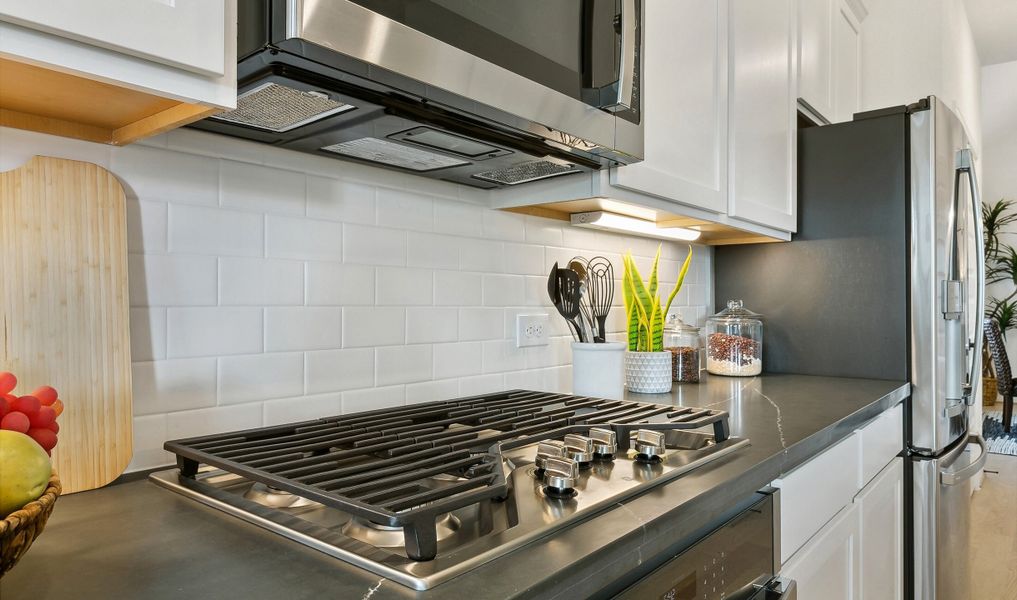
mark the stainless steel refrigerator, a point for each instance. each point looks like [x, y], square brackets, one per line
[885, 280]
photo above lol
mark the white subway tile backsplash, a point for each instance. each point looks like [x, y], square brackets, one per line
[543, 231]
[213, 331]
[170, 385]
[457, 218]
[432, 391]
[336, 370]
[504, 290]
[219, 419]
[340, 200]
[156, 174]
[405, 210]
[381, 326]
[403, 364]
[428, 325]
[432, 250]
[260, 377]
[270, 286]
[481, 255]
[501, 225]
[481, 324]
[148, 334]
[525, 259]
[171, 280]
[373, 245]
[405, 287]
[294, 328]
[457, 289]
[302, 408]
[260, 282]
[200, 230]
[304, 239]
[335, 284]
[262, 188]
[149, 435]
[458, 360]
[373, 399]
[147, 225]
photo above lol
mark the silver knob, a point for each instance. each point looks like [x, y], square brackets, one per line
[560, 474]
[650, 443]
[549, 449]
[605, 442]
[579, 448]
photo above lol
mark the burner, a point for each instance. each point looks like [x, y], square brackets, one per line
[385, 536]
[276, 498]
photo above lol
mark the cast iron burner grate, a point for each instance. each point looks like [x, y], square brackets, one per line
[377, 465]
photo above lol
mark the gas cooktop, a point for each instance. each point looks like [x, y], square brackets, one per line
[421, 494]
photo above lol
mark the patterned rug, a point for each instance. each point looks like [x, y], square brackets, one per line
[998, 440]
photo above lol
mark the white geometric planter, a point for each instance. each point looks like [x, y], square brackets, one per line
[648, 372]
[597, 370]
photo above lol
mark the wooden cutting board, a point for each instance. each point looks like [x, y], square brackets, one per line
[64, 308]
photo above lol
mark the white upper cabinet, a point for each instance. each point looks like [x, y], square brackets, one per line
[828, 50]
[762, 112]
[185, 33]
[685, 105]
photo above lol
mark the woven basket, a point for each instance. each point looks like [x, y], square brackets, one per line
[21, 527]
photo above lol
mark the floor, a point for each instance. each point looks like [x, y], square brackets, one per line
[994, 532]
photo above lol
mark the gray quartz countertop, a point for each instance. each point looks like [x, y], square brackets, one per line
[136, 540]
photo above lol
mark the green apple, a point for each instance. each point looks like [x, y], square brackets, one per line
[24, 471]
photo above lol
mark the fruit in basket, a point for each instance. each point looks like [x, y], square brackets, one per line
[34, 415]
[15, 421]
[7, 382]
[45, 394]
[24, 471]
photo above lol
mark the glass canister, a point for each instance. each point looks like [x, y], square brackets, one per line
[734, 341]
[683, 342]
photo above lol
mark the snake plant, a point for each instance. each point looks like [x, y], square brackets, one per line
[643, 309]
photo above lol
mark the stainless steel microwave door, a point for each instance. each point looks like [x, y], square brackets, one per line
[945, 281]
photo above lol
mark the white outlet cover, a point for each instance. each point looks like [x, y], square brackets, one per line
[532, 330]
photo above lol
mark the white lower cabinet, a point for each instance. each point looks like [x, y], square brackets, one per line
[828, 567]
[842, 517]
[882, 518]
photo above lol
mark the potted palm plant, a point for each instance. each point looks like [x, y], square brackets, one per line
[1000, 266]
[647, 364]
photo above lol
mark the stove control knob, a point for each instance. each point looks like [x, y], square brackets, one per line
[605, 443]
[549, 449]
[560, 476]
[579, 448]
[649, 445]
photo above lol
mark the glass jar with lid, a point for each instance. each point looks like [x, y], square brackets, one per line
[682, 340]
[734, 341]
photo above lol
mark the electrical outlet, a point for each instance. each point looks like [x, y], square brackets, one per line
[532, 330]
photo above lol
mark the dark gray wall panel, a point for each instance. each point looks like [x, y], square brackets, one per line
[835, 297]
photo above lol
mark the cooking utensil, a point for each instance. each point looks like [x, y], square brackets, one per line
[554, 292]
[568, 291]
[63, 253]
[585, 320]
[600, 278]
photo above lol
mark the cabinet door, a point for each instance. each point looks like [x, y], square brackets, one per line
[815, 55]
[827, 568]
[184, 33]
[684, 104]
[846, 39]
[882, 544]
[763, 112]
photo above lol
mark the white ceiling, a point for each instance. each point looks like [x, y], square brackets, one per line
[994, 26]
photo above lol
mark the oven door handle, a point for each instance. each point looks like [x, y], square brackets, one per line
[786, 588]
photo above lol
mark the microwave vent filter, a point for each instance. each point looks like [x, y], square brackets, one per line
[278, 108]
[527, 171]
[394, 154]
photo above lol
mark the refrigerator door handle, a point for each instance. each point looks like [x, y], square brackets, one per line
[965, 165]
[948, 477]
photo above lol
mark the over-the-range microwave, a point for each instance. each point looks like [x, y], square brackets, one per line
[485, 93]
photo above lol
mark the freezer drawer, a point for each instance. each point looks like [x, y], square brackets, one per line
[942, 499]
